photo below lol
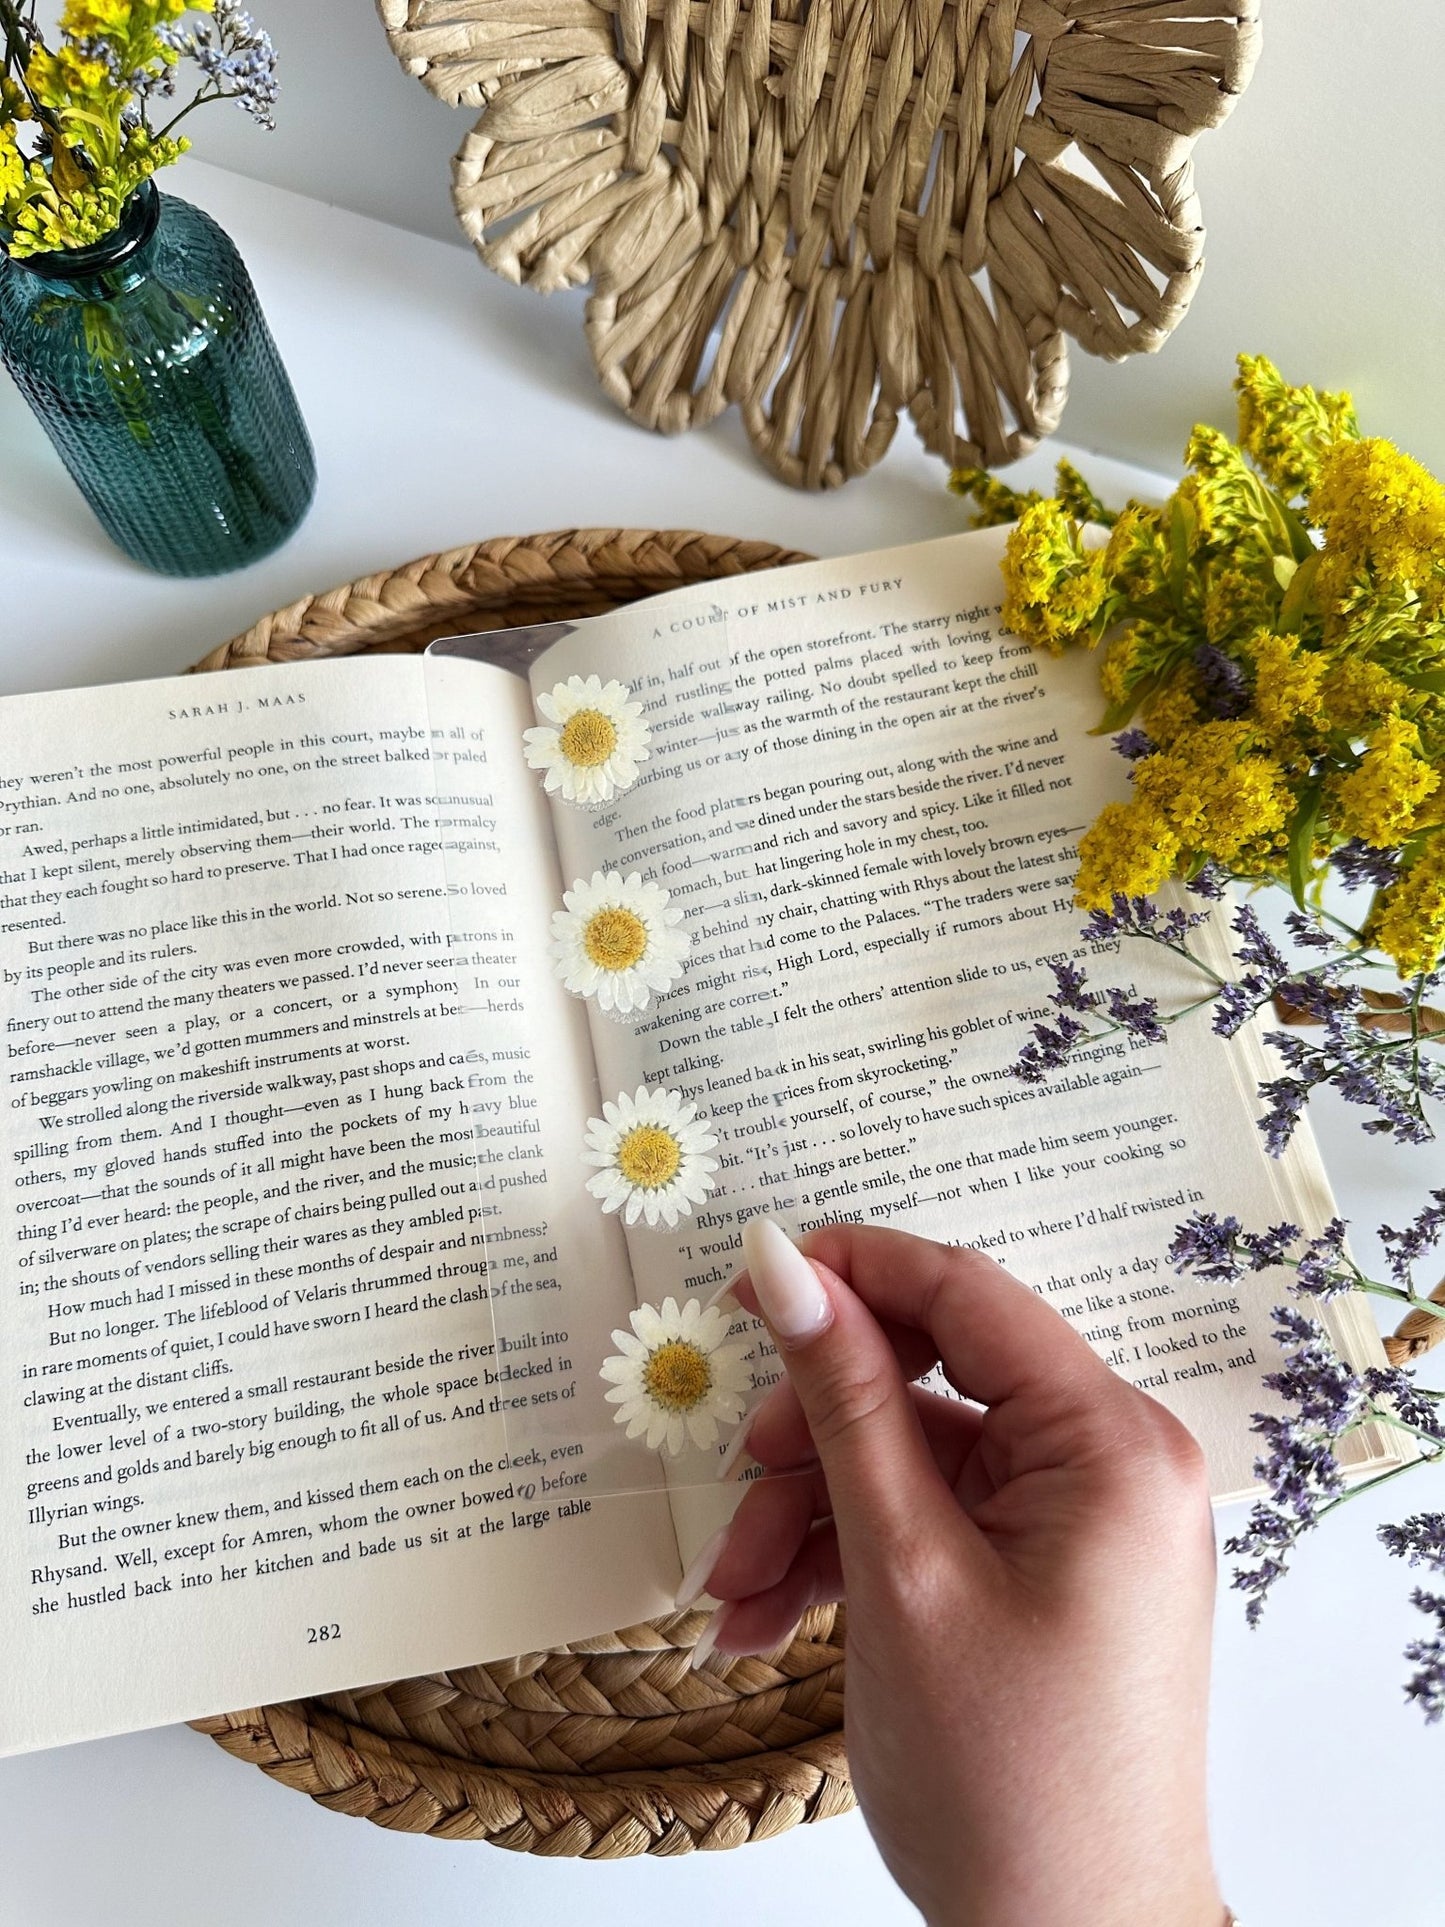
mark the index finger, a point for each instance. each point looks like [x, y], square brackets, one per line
[997, 1339]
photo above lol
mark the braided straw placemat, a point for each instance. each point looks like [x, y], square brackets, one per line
[613, 1746]
[829, 212]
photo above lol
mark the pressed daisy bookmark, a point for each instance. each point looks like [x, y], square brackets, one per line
[591, 740]
[674, 1377]
[651, 1152]
[618, 941]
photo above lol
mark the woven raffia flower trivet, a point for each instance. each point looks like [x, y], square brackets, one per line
[829, 212]
[612, 1746]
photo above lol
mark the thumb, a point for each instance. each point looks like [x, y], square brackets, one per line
[883, 1484]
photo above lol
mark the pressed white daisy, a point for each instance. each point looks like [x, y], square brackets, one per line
[591, 742]
[651, 1150]
[618, 941]
[673, 1378]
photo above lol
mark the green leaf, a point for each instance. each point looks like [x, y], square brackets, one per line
[1430, 682]
[1183, 524]
[1300, 542]
[1302, 842]
[1298, 599]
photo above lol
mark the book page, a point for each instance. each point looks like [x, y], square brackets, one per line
[908, 783]
[261, 1181]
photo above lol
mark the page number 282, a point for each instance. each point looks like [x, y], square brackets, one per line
[315, 1635]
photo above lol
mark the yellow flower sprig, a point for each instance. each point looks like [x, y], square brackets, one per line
[1272, 643]
[75, 137]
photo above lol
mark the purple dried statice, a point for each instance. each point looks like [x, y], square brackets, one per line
[238, 59]
[1322, 1269]
[1208, 1246]
[1364, 1067]
[1255, 950]
[1421, 1541]
[1141, 917]
[1234, 1006]
[1139, 1016]
[1226, 691]
[1360, 866]
[1261, 970]
[1049, 1051]
[1426, 1687]
[1069, 991]
[1133, 745]
[1391, 1386]
[1308, 932]
[1051, 1045]
[1421, 1235]
[1210, 882]
[1284, 1103]
[1300, 1467]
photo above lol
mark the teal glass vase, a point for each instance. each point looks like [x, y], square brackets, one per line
[150, 366]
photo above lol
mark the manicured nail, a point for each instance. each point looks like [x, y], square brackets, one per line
[694, 1580]
[737, 1449]
[703, 1651]
[724, 1291]
[789, 1294]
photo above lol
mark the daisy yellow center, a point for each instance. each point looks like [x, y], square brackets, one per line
[588, 738]
[677, 1376]
[649, 1156]
[615, 939]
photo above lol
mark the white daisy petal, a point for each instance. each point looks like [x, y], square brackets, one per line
[685, 1385]
[590, 742]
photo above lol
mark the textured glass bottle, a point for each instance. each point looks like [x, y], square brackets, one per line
[151, 368]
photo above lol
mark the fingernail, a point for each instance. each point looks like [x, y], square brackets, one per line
[790, 1296]
[703, 1651]
[737, 1450]
[695, 1579]
[723, 1291]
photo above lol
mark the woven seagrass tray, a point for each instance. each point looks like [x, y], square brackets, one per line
[613, 1746]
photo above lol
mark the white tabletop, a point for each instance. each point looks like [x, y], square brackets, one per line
[446, 407]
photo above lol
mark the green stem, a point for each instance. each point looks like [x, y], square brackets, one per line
[202, 99]
[1372, 1485]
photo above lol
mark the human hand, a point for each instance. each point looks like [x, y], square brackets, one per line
[1030, 1586]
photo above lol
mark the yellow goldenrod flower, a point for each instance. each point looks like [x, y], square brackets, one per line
[1053, 587]
[1409, 920]
[1381, 512]
[1136, 558]
[1173, 708]
[1224, 493]
[1220, 797]
[86, 17]
[1287, 682]
[1129, 850]
[1286, 429]
[1357, 694]
[994, 501]
[1078, 499]
[1379, 800]
[1237, 601]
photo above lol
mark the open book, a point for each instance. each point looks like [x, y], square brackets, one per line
[305, 1296]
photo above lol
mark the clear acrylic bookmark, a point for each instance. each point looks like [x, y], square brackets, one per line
[614, 1181]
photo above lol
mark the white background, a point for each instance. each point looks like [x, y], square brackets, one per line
[447, 407]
